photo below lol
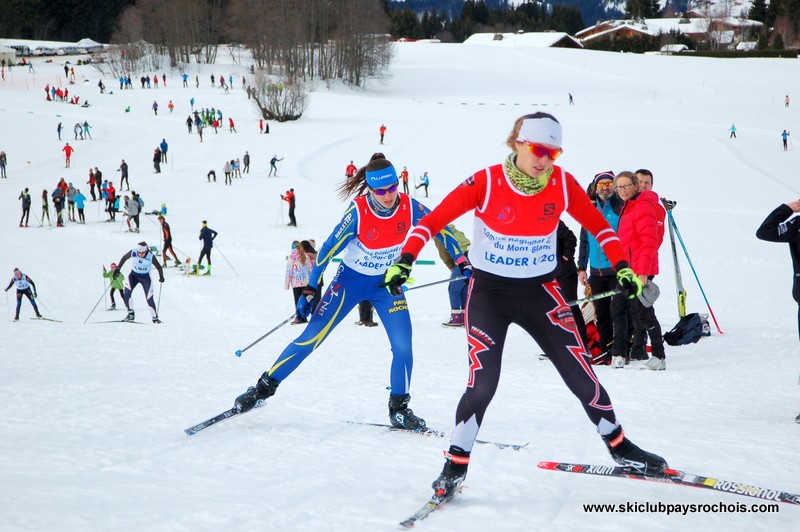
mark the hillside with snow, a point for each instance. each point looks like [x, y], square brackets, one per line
[93, 413]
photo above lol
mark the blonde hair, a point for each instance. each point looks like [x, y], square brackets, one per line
[629, 175]
[301, 252]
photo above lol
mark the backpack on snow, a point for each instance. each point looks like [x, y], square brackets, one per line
[688, 330]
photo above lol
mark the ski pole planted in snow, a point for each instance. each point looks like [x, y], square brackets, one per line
[239, 352]
[226, 260]
[102, 298]
[669, 205]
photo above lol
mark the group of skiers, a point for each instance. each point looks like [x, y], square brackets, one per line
[511, 267]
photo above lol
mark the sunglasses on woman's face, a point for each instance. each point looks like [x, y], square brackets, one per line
[540, 151]
[384, 191]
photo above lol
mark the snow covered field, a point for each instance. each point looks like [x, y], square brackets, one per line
[91, 431]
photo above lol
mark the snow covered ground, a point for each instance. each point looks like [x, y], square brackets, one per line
[91, 431]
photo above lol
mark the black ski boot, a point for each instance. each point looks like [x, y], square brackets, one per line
[256, 395]
[131, 315]
[401, 416]
[626, 453]
[453, 473]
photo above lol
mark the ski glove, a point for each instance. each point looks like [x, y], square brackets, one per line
[465, 267]
[305, 304]
[629, 284]
[397, 274]
[161, 279]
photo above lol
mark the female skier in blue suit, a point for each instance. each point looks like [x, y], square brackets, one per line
[371, 233]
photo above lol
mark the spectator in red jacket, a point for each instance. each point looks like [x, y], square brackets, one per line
[639, 235]
[351, 170]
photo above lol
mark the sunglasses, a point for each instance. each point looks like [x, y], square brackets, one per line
[384, 191]
[540, 151]
[604, 184]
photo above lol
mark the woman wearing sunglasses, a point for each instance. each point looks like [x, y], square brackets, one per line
[517, 206]
[370, 233]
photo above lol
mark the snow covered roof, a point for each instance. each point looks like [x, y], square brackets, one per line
[86, 43]
[654, 26]
[534, 39]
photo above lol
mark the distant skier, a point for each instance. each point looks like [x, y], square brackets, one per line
[732, 129]
[26, 207]
[86, 128]
[785, 137]
[164, 147]
[424, 181]
[570, 99]
[273, 166]
[166, 232]
[155, 107]
[143, 262]
[382, 132]
[123, 172]
[68, 151]
[3, 164]
[351, 170]
[59, 129]
[246, 161]
[117, 281]
[207, 235]
[25, 287]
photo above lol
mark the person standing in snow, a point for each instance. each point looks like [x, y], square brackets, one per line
[68, 151]
[25, 287]
[298, 274]
[59, 129]
[26, 207]
[80, 203]
[78, 130]
[132, 212]
[784, 136]
[155, 107]
[157, 160]
[732, 129]
[351, 170]
[71, 202]
[382, 131]
[123, 176]
[86, 128]
[143, 262]
[166, 232]
[164, 146]
[189, 124]
[517, 206]
[371, 232]
[246, 161]
[207, 235]
[45, 209]
[404, 179]
[117, 281]
[92, 182]
[231, 126]
[289, 198]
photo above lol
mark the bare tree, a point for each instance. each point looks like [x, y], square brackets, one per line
[280, 101]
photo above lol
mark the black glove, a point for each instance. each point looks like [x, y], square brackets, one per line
[465, 267]
[397, 274]
[161, 279]
[629, 283]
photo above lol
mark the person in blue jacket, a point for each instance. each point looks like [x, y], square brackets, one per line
[207, 235]
[610, 312]
[370, 233]
[163, 147]
[80, 203]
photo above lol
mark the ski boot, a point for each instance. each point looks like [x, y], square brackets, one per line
[453, 473]
[256, 395]
[113, 306]
[178, 263]
[16, 318]
[626, 453]
[131, 316]
[156, 320]
[401, 416]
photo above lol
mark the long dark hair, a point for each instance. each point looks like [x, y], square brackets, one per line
[358, 182]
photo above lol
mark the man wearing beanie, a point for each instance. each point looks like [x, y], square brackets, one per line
[609, 312]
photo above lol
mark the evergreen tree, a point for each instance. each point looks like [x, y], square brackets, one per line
[777, 42]
[758, 11]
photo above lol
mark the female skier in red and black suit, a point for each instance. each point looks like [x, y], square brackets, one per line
[517, 206]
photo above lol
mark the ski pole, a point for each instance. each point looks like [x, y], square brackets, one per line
[105, 303]
[158, 304]
[102, 298]
[42, 304]
[239, 352]
[8, 307]
[226, 260]
[685, 252]
[668, 205]
[594, 297]
[448, 280]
